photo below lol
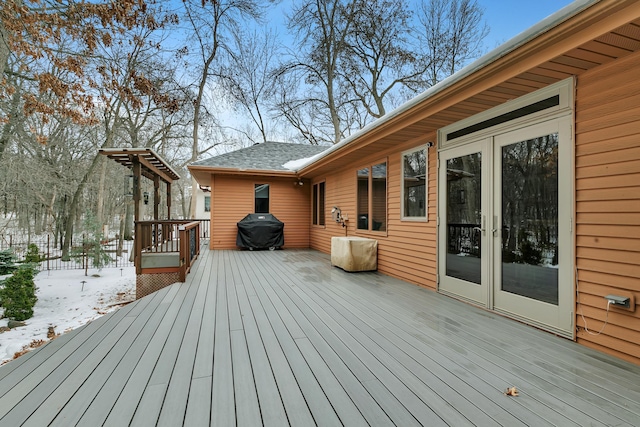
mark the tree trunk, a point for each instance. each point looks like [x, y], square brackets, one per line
[4, 57]
[100, 207]
[73, 207]
[14, 113]
[196, 115]
[128, 221]
[120, 236]
[37, 221]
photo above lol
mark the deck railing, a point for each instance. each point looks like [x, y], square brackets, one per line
[166, 246]
[464, 238]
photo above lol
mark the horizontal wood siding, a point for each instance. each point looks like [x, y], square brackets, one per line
[608, 205]
[233, 198]
[290, 204]
[407, 250]
[340, 190]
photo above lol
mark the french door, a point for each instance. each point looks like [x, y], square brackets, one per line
[505, 226]
[463, 214]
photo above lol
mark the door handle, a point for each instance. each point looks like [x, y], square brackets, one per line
[482, 229]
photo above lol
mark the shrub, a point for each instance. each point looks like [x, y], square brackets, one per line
[18, 296]
[92, 246]
[32, 255]
[7, 262]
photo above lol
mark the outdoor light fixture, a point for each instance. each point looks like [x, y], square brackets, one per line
[336, 215]
[146, 197]
[128, 185]
[430, 144]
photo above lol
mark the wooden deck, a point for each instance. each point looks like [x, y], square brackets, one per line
[281, 338]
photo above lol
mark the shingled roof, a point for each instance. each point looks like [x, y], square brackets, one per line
[267, 156]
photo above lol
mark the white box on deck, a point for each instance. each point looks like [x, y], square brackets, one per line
[354, 253]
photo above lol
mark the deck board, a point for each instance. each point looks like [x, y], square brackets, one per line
[175, 405]
[97, 412]
[561, 400]
[400, 314]
[281, 338]
[131, 394]
[223, 399]
[79, 389]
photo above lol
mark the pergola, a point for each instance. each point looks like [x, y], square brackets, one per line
[164, 250]
[145, 162]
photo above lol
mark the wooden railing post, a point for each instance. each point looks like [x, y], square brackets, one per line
[184, 252]
[137, 247]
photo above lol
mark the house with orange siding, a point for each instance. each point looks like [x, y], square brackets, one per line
[513, 185]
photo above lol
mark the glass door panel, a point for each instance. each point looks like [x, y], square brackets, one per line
[463, 259]
[464, 212]
[532, 206]
[530, 218]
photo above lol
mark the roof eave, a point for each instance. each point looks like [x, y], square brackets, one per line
[202, 174]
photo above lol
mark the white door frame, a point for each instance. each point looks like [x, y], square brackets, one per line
[488, 141]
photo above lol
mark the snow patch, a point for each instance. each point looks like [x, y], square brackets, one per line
[64, 305]
[296, 165]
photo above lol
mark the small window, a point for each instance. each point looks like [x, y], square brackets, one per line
[262, 198]
[414, 184]
[318, 204]
[207, 203]
[372, 198]
[363, 199]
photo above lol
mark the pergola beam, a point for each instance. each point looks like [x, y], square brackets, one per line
[152, 164]
[145, 162]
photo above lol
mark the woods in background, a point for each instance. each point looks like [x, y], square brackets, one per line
[192, 79]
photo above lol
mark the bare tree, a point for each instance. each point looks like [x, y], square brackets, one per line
[126, 87]
[301, 112]
[321, 28]
[452, 34]
[211, 23]
[379, 56]
[247, 77]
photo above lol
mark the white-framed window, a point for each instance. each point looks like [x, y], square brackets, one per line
[318, 203]
[207, 203]
[414, 184]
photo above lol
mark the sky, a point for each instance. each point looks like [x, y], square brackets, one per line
[508, 18]
[505, 18]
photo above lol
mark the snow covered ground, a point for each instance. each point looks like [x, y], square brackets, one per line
[63, 305]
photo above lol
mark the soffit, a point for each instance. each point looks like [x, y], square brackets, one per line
[516, 74]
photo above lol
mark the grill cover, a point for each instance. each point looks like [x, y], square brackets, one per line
[260, 231]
